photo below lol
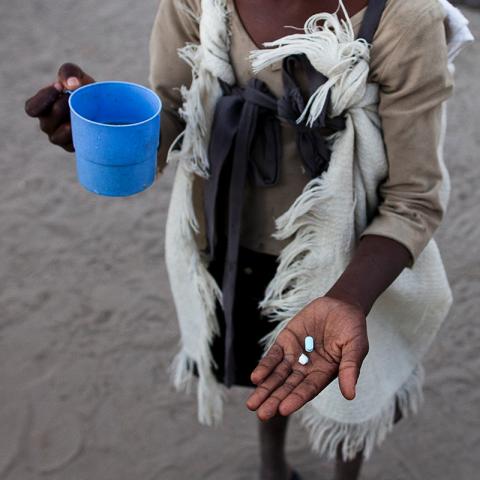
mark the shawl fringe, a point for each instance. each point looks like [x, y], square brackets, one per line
[195, 300]
[291, 288]
[207, 60]
[327, 436]
[333, 50]
[210, 395]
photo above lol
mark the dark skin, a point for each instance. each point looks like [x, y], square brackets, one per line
[337, 321]
[263, 26]
[50, 105]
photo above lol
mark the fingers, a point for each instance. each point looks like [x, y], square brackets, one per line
[353, 355]
[69, 148]
[57, 124]
[62, 136]
[59, 114]
[275, 379]
[71, 76]
[266, 365]
[42, 101]
[269, 408]
[50, 105]
[306, 390]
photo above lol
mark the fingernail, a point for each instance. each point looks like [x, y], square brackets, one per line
[58, 86]
[73, 82]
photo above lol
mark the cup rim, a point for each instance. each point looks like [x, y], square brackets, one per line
[116, 82]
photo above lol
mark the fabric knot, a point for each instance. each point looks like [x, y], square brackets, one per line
[312, 142]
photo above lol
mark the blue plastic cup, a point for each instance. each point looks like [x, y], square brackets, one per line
[116, 134]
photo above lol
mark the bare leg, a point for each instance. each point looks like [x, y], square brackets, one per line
[272, 436]
[349, 470]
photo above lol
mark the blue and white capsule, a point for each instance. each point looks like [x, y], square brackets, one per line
[309, 344]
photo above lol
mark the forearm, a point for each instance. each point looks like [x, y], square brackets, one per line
[377, 262]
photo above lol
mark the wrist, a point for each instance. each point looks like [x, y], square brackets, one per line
[349, 296]
[376, 263]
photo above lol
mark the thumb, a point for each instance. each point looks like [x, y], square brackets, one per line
[353, 355]
[71, 77]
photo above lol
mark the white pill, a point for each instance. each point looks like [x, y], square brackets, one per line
[303, 359]
[309, 344]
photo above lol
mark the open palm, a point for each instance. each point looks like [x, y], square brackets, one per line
[341, 344]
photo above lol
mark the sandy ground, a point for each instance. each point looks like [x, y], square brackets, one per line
[87, 326]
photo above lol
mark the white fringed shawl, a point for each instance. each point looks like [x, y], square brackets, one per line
[332, 211]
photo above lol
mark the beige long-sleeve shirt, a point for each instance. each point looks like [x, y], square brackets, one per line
[408, 61]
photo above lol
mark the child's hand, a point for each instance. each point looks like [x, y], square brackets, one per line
[50, 105]
[340, 334]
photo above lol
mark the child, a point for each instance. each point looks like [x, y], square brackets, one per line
[310, 181]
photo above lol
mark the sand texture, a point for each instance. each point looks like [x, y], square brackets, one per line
[87, 325]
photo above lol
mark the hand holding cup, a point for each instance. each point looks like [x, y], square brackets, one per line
[50, 105]
[113, 127]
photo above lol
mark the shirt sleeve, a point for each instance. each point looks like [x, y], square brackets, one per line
[414, 84]
[175, 25]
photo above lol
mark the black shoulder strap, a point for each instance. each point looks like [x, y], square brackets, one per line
[371, 19]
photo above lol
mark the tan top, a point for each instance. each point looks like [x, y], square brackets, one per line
[408, 61]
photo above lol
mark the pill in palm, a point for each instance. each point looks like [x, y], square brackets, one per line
[309, 344]
[303, 359]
